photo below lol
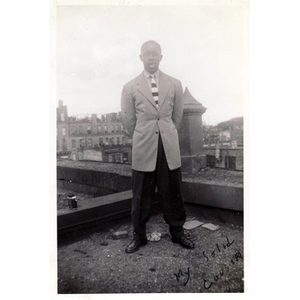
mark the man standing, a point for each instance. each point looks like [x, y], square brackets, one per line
[151, 106]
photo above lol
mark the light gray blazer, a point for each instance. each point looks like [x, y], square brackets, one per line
[144, 121]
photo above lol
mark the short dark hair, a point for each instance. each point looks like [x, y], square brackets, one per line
[151, 42]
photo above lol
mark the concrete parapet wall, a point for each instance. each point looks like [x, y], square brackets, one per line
[95, 211]
[220, 196]
[93, 182]
[109, 181]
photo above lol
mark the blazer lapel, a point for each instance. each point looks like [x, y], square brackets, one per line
[143, 87]
[164, 87]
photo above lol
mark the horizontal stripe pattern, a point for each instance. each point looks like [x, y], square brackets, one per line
[154, 90]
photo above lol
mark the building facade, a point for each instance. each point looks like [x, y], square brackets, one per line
[223, 144]
[62, 128]
[91, 137]
[230, 158]
[228, 133]
[105, 138]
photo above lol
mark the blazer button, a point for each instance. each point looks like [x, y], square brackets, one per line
[156, 132]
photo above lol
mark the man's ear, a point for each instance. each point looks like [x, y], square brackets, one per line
[141, 57]
[161, 57]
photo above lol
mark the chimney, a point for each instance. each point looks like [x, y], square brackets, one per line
[190, 132]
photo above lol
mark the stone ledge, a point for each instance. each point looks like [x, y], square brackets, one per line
[226, 197]
[94, 211]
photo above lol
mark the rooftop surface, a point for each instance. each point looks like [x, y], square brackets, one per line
[94, 262]
[97, 263]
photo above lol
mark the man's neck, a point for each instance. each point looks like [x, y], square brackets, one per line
[147, 74]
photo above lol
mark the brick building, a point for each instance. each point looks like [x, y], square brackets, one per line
[225, 157]
[92, 138]
[61, 128]
[223, 144]
[106, 139]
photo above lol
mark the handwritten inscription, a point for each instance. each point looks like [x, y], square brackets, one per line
[207, 284]
[183, 275]
[218, 249]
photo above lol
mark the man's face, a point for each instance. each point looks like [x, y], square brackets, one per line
[151, 57]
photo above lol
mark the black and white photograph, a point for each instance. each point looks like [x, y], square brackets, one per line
[150, 105]
[149, 149]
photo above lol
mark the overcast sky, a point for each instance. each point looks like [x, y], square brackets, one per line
[205, 47]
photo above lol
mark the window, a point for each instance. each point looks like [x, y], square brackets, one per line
[112, 141]
[90, 143]
[62, 117]
[99, 128]
[230, 162]
[210, 161]
[80, 129]
[118, 141]
[122, 127]
[89, 129]
[112, 128]
[63, 131]
[106, 141]
[73, 143]
[100, 141]
[105, 128]
[64, 144]
[72, 129]
[117, 128]
[82, 143]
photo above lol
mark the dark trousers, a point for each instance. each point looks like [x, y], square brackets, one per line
[168, 184]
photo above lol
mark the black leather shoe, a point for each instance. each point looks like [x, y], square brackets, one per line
[184, 242]
[135, 245]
